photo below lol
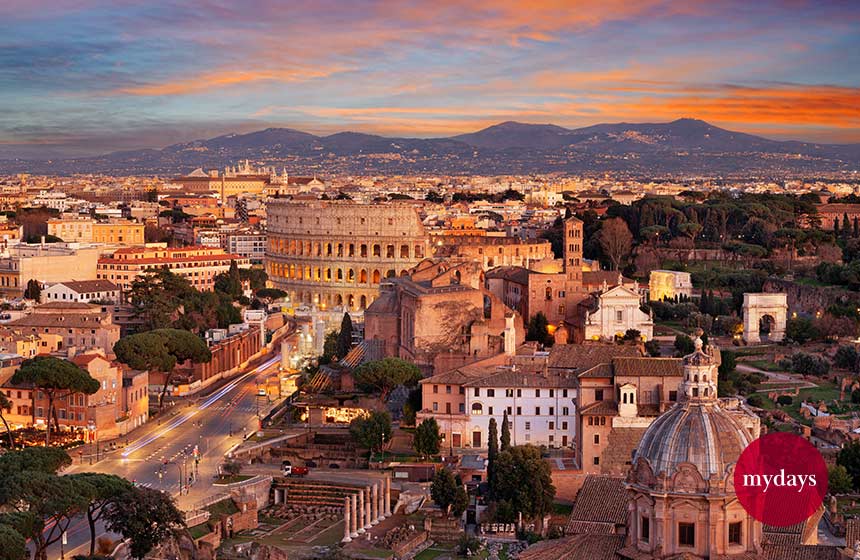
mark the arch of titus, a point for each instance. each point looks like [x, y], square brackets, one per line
[757, 306]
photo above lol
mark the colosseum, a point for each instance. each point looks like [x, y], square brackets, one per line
[330, 252]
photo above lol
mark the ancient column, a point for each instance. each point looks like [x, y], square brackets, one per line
[367, 501]
[361, 511]
[346, 520]
[354, 527]
[388, 496]
[374, 504]
[382, 499]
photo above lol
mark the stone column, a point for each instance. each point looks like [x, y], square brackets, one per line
[388, 496]
[374, 504]
[367, 500]
[354, 527]
[346, 520]
[361, 511]
[382, 499]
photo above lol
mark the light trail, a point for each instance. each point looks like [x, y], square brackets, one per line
[212, 399]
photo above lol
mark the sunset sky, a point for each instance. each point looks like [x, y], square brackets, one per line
[80, 77]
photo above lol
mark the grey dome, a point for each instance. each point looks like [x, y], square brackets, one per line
[699, 433]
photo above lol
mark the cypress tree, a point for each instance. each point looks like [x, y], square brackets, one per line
[846, 226]
[492, 452]
[856, 226]
[836, 226]
[505, 438]
[344, 337]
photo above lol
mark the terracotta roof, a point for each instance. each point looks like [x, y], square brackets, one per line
[617, 458]
[600, 408]
[516, 274]
[582, 357]
[88, 286]
[596, 277]
[577, 547]
[801, 552]
[511, 378]
[601, 505]
[648, 367]
[65, 305]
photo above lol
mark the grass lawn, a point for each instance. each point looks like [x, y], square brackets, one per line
[432, 553]
[233, 479]
[766, 365]
[199, 531]
[224, 507]
[826, 391]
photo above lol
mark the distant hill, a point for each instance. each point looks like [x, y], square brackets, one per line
[681, 146]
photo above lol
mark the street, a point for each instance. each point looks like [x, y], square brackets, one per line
[207, 424]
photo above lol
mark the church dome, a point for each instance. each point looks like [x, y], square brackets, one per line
[701, 434]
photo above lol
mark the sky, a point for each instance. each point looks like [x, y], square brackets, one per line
[85, 77]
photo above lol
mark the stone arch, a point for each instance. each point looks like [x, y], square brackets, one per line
[350, 275]
[756, 306]
[363, 302]
[328, 249]
[351, 250]
[362, 276]
[376, 277]
[391, 273]
[389, 251]
[377, 250]
[350, 301]
[328, 275]
[338, 299]
[362, 250]
[404, 251]
[404, 273]
[340, 249]
[339, 276]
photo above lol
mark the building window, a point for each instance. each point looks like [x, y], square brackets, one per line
[537, 393]
[686, 534]
[619, 316]
[435, 406]
[491, 393]
[596, 439]
[645, 533]
[552, 425]
[462, 408]
[564, 425]
[447, 389]
[519, 410]
[462, 390]
[551, 439]
[509, 393]
[491, 411]
[477, 392]
[552, 411]
[591, 421]
[537, 411]
[598, 394]
[435, 389]
[673, 396]
[565, 411]
[551, 393]
[510, 411]
[528, 425]
[477, 409]
[735, 533]
[519, 392]
[596, 461]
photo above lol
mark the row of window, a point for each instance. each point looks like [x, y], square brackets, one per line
[509, 393]
[309, 249]
[687, 532]
[319, 274]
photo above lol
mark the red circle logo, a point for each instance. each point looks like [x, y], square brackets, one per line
[781, 479]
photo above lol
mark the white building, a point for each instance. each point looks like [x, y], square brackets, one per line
[669, 284]
[618, 310]
[251, 245]
[83, 291]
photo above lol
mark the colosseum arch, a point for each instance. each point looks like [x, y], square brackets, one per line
[339, 277]
[404, 251]
[328, 249]
[362, 251]
[363, 302]
[376, 277]
[350, 275]
[362, 276]
[377, 250]
[389, 251]
[391, 274]
[769, 308]
[328, 275]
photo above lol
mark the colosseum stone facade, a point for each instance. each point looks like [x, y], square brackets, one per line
[330, 252]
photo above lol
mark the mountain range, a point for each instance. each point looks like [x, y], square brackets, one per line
[684, 146]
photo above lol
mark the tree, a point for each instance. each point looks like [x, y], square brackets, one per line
[524, 481]
[34, 499]
[846, 358]
[653, 348]
[615, 240]
[161, 350]
[443, 490]
[371, 431]
[232, 468]
[344, 337]
[505, 438]
[684, 345]
[103, 490]
[538, 329]
[6, 405]
[461, 498]
[145, 516]
[12, 544]
[433, 196]
[427, 438]
[156, 297]
[330, 348]
[492, 452]
[849, 457]
[838, 480]
[801, 330]
[34, 290]
[229, 282]
[784, 400]
[271, 293]
[386, 374]
[57, 379]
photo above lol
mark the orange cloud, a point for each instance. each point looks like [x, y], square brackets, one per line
[225, 78]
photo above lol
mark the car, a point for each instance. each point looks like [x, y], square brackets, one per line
[261, 392]
[289, 470]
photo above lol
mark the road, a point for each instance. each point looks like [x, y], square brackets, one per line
[207, 424]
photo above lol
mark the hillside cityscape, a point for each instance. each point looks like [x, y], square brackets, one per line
[293, 281]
